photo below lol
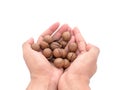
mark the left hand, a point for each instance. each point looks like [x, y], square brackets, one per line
[78, 74]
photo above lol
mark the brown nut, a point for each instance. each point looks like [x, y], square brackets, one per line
[63, 53]
[35, 47]
[44, 45]
[72, 47]
[71, 56]
[59, 62]
[47, 38]
[66, 63]
[57, 53]
[55, 45]
[63, 43]
[66, 36]
[47, 52]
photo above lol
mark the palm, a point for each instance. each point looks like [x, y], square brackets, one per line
[84, 65]
[76, 65]
[38, 64]
[78, 62]
[50, 69]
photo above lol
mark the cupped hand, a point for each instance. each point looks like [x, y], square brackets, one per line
[82, 68]
[41, 70]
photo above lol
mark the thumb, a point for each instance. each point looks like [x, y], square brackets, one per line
[27, 45]
[93, 50]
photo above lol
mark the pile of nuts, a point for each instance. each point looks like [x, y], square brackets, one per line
[55, 52]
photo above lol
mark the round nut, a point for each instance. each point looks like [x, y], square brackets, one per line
[63, 43]
[44, 45]
[55, 45]
[47, 38]
[59, 62]
[71, 56]
[47, 52]
[63, 53]
[35, 47]
[72, 47]
[66, 36]
[57, 53]
[66, 63]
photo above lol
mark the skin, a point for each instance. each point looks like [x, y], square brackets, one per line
[44, 76]
[78, 75]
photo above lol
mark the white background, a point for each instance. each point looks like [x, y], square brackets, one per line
[98, 21]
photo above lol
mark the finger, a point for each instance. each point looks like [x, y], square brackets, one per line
[39, 40]
[27, 45]
[93, 50]
[62, 29]
[49, 31]
[80, 40]
[77, 52]
[71, 41]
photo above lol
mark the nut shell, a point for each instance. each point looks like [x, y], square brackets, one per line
[44, 45]
[48, 38]
[35, 47]
[59, 62]
[72, 47]
[55, 45]
[66, 36]
[66, 63]
[54, 49]
[63, 53]
[63, 43]
[71, 56]
[47, 53]
[57, 53]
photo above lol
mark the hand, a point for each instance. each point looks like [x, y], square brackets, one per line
[44, 76]
[77, 76]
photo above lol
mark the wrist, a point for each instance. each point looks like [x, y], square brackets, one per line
[42, 83]
[80, 82]
[38, 84]
[74, 82]
[83, 82]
